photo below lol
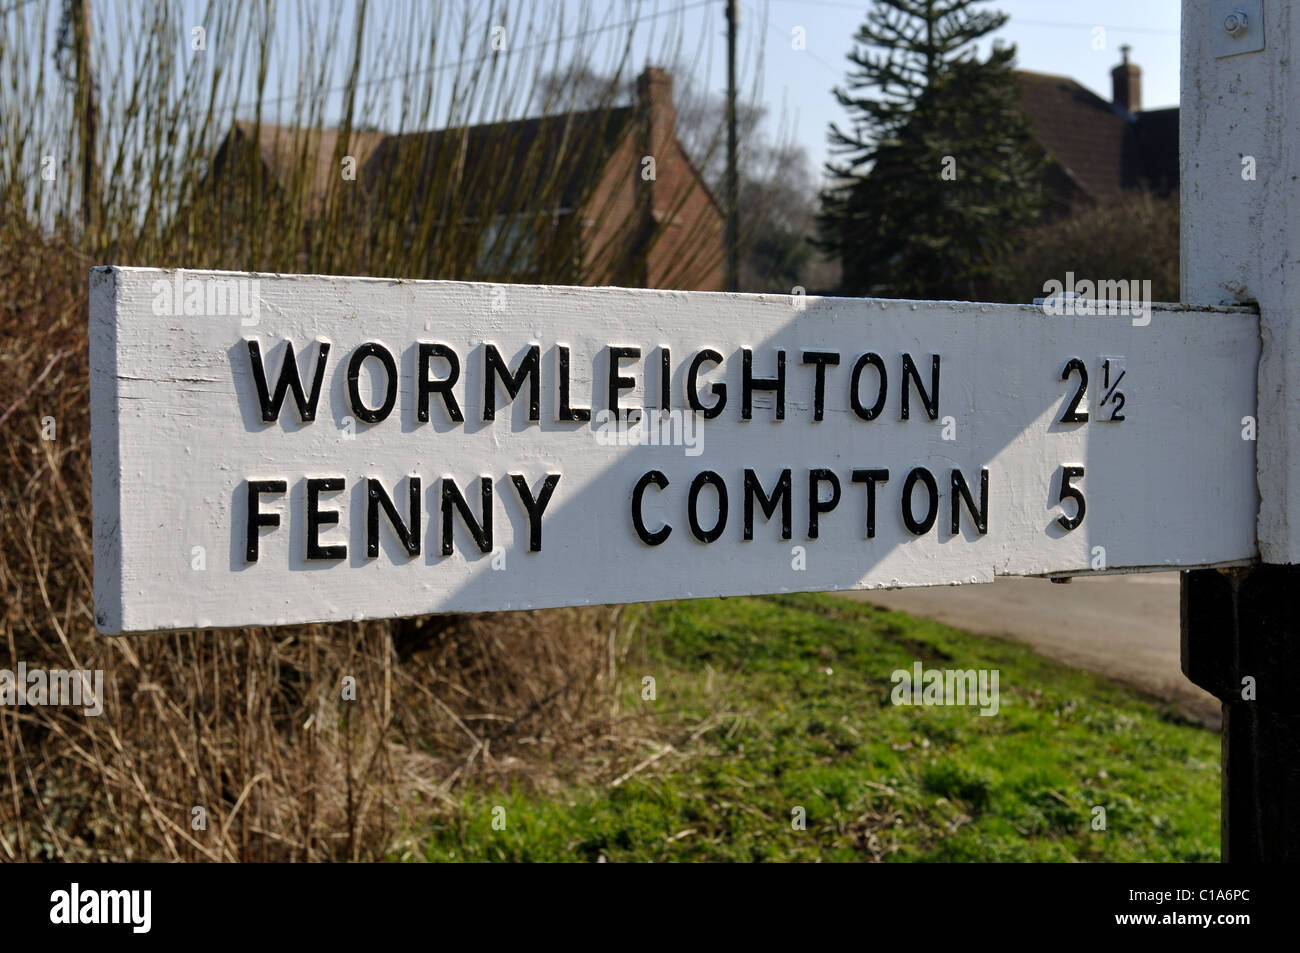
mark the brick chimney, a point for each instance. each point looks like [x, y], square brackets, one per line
[654, 96]
[1126, 82]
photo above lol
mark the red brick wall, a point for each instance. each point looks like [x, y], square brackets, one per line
[664, 232]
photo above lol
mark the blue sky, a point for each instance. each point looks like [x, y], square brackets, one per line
[1051, 36]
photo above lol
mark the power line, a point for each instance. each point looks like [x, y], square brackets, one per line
[1093, 26]
[429, 70]
[15, 6]
[861, 7]
[806, 52]
[1047, 23]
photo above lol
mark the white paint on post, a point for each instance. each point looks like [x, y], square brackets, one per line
[181, 446]
[1240, 174]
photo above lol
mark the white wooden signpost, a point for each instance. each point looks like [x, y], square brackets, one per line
[350, 448]
[283, 449]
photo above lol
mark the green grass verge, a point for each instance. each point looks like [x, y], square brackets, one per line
[788, 700]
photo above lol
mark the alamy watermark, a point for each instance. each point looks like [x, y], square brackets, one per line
[80, 688]
[208, 296]
[1088, 297]
[650, 428]
[935, 686]
[133, 908]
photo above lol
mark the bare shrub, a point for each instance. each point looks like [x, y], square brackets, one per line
[1134, 237]
[252, 726]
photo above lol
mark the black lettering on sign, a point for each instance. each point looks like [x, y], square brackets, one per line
[617, 382]
[638, 523]
[535, 507]
[1073, 415]
[914, 526]
[288, 379]
[693, 385]
[377, 498]
[931, 399]
[256, 518]
[453, 498]
[427, 352]
[316, 518]
[1119, 405]
[1071, 493]
[821, 359]
[960, 492]
[816, 505]
[567, 412]
[872, 412]
[1110, 392]
[359, 409]
[703, 479]
[780, 494]
[494, 366]
[750, 383]
[871, 478]
[665, 379]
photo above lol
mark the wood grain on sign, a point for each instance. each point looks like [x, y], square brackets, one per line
[540, 507]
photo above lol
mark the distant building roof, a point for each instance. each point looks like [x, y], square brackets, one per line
[540, 162]
[1078, 129]
[1102, 148]
[575, 180]
[285, 150]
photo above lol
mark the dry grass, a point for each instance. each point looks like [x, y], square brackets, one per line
[249, 725]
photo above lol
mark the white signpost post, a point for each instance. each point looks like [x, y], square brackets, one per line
[285, 449]
[1240, 183]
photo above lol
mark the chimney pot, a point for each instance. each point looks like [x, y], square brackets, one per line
[654, 92]
[1126, 84]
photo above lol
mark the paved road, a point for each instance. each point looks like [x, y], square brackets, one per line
[1125, 627]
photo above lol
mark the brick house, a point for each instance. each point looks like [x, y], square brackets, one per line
[1097, 150]
[605, 196]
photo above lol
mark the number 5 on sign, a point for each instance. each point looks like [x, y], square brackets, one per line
[1073, 494]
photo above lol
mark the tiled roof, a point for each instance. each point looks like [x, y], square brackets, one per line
[547, 160]
[1077, 128]
[286, 150]
[1100, 150]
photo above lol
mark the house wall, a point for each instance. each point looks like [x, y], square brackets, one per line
[663, 231]
[614, 223]
[687, 250]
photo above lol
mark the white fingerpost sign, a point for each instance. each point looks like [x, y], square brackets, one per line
[282, 449]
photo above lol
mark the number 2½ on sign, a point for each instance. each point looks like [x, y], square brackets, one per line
[1110, 399]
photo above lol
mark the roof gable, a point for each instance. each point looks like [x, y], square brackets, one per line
[1077, 128]
[288, 152]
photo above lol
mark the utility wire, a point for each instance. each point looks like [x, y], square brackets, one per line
[15, 6]
[428, 70]
[860, 7]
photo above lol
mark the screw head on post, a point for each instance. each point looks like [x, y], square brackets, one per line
[1236, 22]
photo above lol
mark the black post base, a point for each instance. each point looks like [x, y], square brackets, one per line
[1241, 643]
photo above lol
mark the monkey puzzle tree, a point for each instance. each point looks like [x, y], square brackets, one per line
[938, 171]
